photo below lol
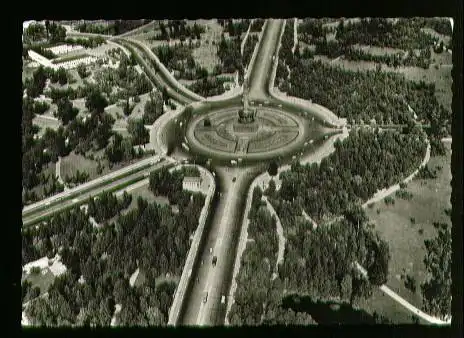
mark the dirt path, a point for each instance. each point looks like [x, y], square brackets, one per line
[280, 234]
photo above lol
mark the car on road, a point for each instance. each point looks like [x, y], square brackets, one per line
[214, 260]
[205, 297]
[223, 299]
[234, 179]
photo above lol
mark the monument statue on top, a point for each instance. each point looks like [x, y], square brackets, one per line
[246, 115]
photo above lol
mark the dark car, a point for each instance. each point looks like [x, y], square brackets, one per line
[234, 179]
[214, 260]
[205, 297]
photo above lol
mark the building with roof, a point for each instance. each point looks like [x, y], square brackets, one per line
[192, 183]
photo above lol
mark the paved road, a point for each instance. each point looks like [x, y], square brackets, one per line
[151, 160]
[224, 228]
[31, 218]
[167, 78]
[262, 67]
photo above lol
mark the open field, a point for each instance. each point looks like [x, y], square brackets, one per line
[406, 243]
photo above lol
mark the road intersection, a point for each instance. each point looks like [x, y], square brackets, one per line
[226, 218]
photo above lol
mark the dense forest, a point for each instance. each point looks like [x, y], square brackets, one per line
[113, 28]
[362, 164]
[257, 25]
[229, 54]
[257, 299]
[100, 261]
[317, 263]
[404, 33]
[178, 29]
[248, 49]
[364, 95]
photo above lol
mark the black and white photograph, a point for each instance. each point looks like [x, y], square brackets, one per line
[232, 172]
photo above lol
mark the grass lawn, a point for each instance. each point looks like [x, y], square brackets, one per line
[137, 112]
[374, 50]
[45, 123]
[147, 195]
[73, 162]
[406, 244]
[116, 111]
[43, 281]
[205, 55]
[386, 307]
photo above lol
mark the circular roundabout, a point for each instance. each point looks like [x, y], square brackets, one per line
[228, 134]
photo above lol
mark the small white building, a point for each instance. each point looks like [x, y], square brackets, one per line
[64, 49]
[191, 183]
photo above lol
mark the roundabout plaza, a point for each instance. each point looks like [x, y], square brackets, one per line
[245, 131]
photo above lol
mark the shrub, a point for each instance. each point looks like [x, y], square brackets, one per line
[410, 283]
[389, 200]
[413, 220]
[35, 270]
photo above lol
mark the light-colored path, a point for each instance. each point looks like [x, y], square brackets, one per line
[280, 234]
[295, 34]
[385, 289]
[381, 194]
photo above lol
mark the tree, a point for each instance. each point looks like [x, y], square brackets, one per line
[127, 108]
[62, 76]
[273, 168]
[66, 112]
[207, 122]
[165, 95]
[138, 131]
[57, 33]
[153, 108]
[378, 271]
[82, 70]
[95, 101]
[436, 291]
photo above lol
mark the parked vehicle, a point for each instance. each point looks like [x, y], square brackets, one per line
[214, 260]
[223, 299]
[205, 297]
